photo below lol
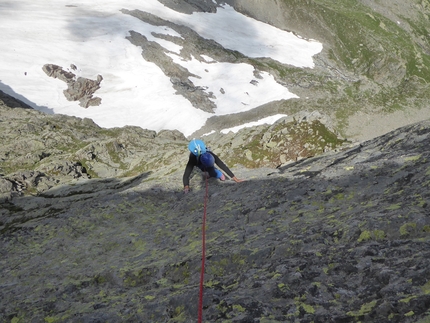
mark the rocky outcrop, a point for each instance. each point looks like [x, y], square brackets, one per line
[57, 149]
[78, 89]
[193, 46]
[190, 6]
[60, 149]
[290, 139]
[11, 102]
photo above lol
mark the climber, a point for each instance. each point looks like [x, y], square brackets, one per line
[204, 159]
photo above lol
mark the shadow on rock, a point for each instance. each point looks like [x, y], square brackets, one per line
[338, 238]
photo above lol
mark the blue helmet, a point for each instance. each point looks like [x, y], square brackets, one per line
[207, 160]
[197, 147]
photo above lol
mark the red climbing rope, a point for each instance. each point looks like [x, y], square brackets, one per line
[202, 272]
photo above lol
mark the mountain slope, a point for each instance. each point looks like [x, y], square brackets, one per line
[94, 226]
[341, 237]
[41, 151]
[372, 75]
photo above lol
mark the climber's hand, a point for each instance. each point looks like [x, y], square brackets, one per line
[237, 180]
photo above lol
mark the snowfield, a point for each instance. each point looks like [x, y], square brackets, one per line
[92, 36]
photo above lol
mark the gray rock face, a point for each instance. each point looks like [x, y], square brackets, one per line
[6, 187]
[339, 237]
[11, 102]
[190, 6]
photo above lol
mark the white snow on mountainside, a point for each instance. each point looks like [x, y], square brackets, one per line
[92, 36]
